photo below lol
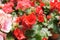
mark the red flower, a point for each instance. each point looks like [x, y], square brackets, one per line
[53, 4]
[32, 3]
[39, 10]
[54, 0]
[42, 4]
[18, 19]
[44, 38]
[31, 19]
[28, 21]
[48, 17]
[58, 6]
[41, 18]
[40, 0]
[18, 34]
[8, 7]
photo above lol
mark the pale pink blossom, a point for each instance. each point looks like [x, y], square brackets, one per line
[5, 22]
[2, 36]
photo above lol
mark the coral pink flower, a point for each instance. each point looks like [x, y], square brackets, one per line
[8, 7]
[12, 1]
[23, 4]
[5, 21]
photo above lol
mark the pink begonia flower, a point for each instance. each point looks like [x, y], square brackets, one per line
[7, 8]
[2, 36]
[5, 22]
[23, 5]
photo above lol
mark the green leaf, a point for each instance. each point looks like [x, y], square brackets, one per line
[45, 23]
[37, 3]
[50, 26]
[46, 2]
[4, 1]
[55, 29]
[44, 32]
[29, 33]
[38, 37]
[28, 11]
[14, 14]
[53, 24]
[46, 10]
[59, 30]
[58, 38]
[32, 39]
[10, 36]
[37, 28]
[45, 19]
[21, 12]
[53, 14]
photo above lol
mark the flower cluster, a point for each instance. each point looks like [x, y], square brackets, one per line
[29, 19]
[8, 7]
